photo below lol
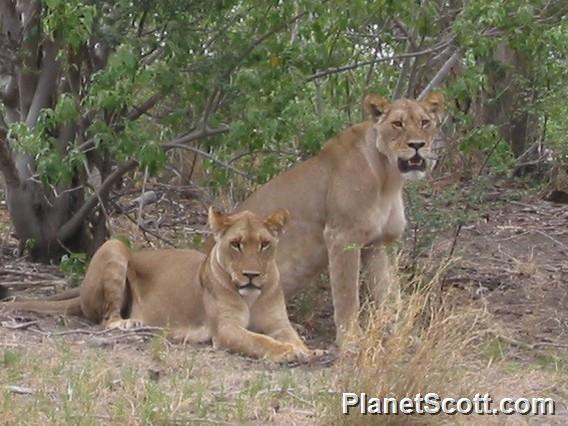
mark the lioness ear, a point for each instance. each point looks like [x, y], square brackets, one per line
[276, 221]
[375, 106]
[218, 222]
[434, 103]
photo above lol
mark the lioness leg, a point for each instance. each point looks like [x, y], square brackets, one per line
[344, 263]
[200, 334]
[235, 338]
[382, 284]
[103, 292]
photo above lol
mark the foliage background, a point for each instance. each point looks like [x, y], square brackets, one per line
[92, 90]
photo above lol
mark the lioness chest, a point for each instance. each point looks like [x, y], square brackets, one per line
[388, 221]
[382, 220]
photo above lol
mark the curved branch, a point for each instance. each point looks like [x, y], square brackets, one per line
[29, 51]
[441, 74]
[169, 146]
[330, 71]
[67, 230]
[200, 134]
[138, 111]
[46, 84]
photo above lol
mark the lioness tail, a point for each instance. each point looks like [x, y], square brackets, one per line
[66, 307]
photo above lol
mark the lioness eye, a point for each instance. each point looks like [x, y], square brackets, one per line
[236, 245]
[425, 123]
[264, 245]
[397, 123]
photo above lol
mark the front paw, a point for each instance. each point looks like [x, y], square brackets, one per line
[287, 353]
[123, 324]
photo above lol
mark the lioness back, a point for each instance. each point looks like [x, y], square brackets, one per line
[166, 290]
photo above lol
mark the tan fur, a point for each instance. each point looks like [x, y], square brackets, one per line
[232, 296]
[347, 201]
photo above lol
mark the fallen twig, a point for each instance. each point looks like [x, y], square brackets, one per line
[13, 325]
[560, 243]
[20, 390]
[20, 285]
[38, 275]
[139, 330]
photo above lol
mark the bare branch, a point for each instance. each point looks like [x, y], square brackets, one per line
[138, 111]
[411, 38]
[80, 215]
[200, 134]
[441, 74]
[46, 84]
[169, 146]
[330, 71]
[212, 104]
[7, 163]
[29, 48]
[402, 75]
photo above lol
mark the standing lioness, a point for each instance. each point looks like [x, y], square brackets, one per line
[231, 296]
[347, 200]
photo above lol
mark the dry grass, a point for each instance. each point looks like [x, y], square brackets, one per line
[420, 346]
[62, 381]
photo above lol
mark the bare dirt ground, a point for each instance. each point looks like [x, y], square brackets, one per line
[512, 260]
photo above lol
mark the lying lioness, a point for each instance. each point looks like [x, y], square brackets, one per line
[346, 202]
[231, 296]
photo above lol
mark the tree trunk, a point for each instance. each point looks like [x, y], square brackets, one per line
[38, 217]
[506, 102]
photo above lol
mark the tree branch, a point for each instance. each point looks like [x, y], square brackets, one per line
[169, 146]
[330, 71]
[411, 38]
[138, 111]
[7, 163]
[29, 48]
[200, 134]
[67, 230]
[46, 84]
[212, 104]
[441, 74]
[72, 224]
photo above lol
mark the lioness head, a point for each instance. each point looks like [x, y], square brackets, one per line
[246, 247]
[405, 130]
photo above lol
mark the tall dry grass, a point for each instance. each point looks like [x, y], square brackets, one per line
[418, 344]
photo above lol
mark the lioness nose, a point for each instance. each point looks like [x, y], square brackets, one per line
[251, 274]
[416, 145]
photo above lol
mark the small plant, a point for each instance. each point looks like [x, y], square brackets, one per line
[9, 359]
[124, 239]
[158, 348]
[73, 266]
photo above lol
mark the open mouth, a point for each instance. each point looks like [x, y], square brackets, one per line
[416, 163]
[249, 287]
